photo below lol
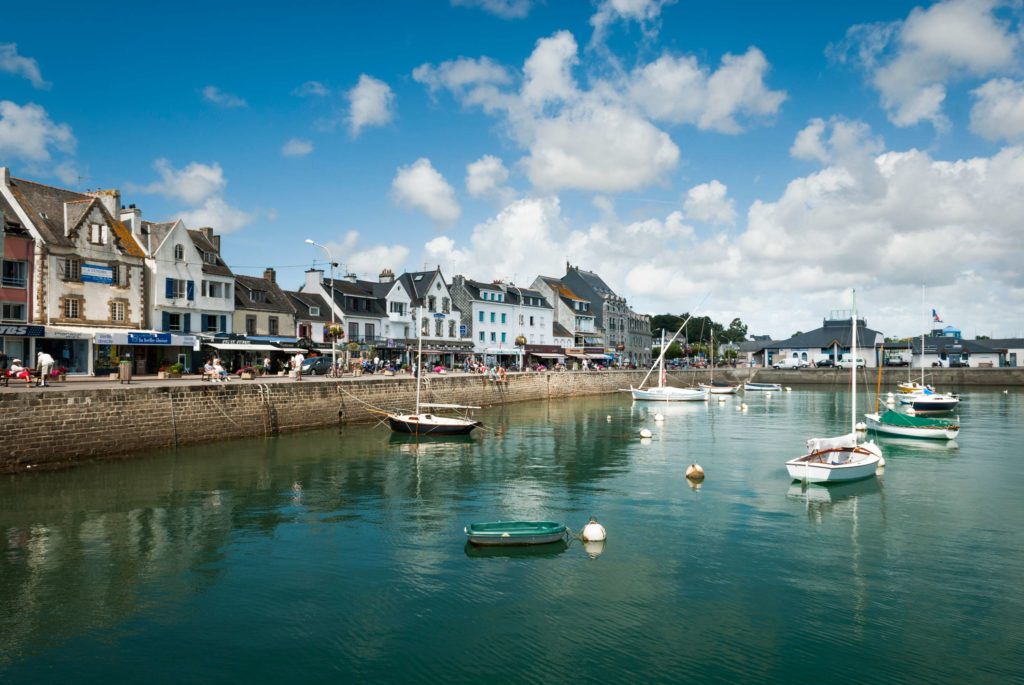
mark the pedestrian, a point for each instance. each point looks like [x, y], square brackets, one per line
[19, 371]
[266, 364]
[297, 364]
[44, 362]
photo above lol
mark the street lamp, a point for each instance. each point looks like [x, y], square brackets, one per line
[522, 348]
[334, 338]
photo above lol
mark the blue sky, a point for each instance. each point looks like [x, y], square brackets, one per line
[775, 155]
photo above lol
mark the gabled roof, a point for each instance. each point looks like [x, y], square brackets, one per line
[303, 301]
[593, 280]
[156, 233]
[560, 331]
[346, 291]
[417, 282]
[203, 244]
[833, 332]
[944, 343]
[277, 301]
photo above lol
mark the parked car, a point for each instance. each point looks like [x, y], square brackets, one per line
[791, 363]
[825, 362]
[847, 362]
[316, 366]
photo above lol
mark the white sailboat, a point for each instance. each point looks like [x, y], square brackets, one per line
[720, 388]
[663, 392]
[842, 458]
[421, 423]
[923, 397]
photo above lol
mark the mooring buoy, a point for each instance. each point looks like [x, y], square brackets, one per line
[593, 531]
[645, 433]
[694, 472]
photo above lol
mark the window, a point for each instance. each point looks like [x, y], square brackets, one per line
[227, 291]
[494, 336]
[353, 331]
[492, 317]
[314, 311]
[397, 308]
[481, 316]
[179, 253]
[118, 311]
[425, 326]
[446, 305]
[439, 327]
[97, 234]
[13, 311]
[72, 268]
[176, 288]
[481, 336]
[204, 287]
[72, 307]
[371, 331]
[503, 336]
[174, 322]
[120, 275]
[250, 325]
[432, 303]
[210, 257]
[531, 320]
[210, 323]
[451, 328]
[257, 295]
[216, 289]
[15, 274]
[503, 317]
[272, 325]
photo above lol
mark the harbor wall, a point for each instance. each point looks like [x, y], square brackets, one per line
[65, 426]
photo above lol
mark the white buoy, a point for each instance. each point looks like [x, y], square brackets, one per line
[694, 472]
[743, 406]
[861, 426]
[645, 433]
[659, 418]
[608, 418]
[593, 531]
[1006, 392]
[789, 389]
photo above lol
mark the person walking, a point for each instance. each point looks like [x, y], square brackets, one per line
[297, 363]
[44, 362]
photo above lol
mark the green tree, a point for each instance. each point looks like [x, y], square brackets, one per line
[674, 351]
[736, 333]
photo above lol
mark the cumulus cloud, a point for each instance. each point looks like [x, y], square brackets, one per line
[312, 89]
[297, 147]
[371, 103]
[506, 9]
[215, 212]
[487, 178]
[28, 133]
[420, 186]
[368, 260]
[847, 140]
[998, 111]
[644, 12]
[201, 187]
[911, 62]
[19, 65]
[679, 90]
[216, 96]
[708, 202]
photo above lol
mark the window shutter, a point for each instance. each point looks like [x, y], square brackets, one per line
[223, 323]
[191, 290]
[169, 291]
[187, 323]
[167, 319]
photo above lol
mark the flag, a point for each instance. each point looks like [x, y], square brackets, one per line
[935, 316]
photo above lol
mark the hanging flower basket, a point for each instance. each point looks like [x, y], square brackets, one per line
[620, 347]
[353, 347]
[336, 331]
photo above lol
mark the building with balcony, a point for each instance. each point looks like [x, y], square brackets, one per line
[572, 312]
[16, 252]
[503, 318]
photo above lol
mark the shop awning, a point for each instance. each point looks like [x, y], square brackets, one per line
[546, 355]
[293, 350]
[236, 347]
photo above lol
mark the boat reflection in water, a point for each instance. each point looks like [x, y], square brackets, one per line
[550, 549]
[442, 445]
[837, 496]
[912, 446]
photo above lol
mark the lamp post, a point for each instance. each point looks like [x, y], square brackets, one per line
[522, 348]
[334, 339]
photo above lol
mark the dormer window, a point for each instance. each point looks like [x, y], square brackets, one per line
[97, 234]
[209, 257]
[179, 253]
[257, 295]
[314, 311]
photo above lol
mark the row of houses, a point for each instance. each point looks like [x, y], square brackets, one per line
[93, 283]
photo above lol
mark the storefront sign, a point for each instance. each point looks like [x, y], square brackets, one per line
[103, 339]
[97, 273]
[149, 338]
[27, 331]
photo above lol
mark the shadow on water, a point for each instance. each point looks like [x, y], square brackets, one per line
[551, 549]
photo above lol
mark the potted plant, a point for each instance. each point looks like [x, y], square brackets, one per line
[59, 373]
[246, 373]
[170, 371]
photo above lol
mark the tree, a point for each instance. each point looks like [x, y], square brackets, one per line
[736, 333]
[674, 351]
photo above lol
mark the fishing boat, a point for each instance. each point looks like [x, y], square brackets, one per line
[515, 533]
[664, 392]
[419, 422]
[717, 387]
[842, 458]
[896, 423]
[762, 387]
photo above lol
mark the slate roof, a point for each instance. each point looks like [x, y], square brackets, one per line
[344, 293]
[942, 343]
[203, 244]
[277, 301]
[560, 331]
[832, 332]
[511, 293]
[594, 281]
[417, 288]
[155, 233]
[303, 301]
[1003, 343]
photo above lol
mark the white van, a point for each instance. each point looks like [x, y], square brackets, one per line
[847, 362]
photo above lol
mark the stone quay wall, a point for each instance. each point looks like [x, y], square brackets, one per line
[64, 426]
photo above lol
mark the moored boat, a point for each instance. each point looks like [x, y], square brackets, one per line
[762, 387]
[896, 423]
[511, 533]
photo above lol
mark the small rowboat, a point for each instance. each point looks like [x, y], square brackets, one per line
[498, 533]
[762, 387]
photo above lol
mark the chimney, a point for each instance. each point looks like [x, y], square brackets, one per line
[214, 239]
[350, 277]
[387, 276]
[5, 175]
[111, 199]
[270, 275]
[133, 218]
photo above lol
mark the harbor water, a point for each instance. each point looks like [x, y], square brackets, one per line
[339, 555]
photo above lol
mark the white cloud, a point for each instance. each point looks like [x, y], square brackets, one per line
[547, 73]
[488, 178]
[367, 261]
[644, 12]
[297, 147]
[476, 82]
[998, 111]
[420, 186]
[28, 133]
[217, 213]
[849, 140]
[216, 96]
[371, 103]
[506, 9]
[912, 62]
[192, 184]
[19, 65]
[679, 90]
[708, 202]
[312, 88]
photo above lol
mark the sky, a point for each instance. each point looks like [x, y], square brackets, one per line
[733, 159]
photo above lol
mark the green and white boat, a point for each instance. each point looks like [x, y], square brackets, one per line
[510, 533]
[896, 423]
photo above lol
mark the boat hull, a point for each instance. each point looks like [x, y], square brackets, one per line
[669, 394]
[851, 464]
[514, 533]
[721, 389]
[417, 425]
[762, 387]
[943, 404]
[936, 433]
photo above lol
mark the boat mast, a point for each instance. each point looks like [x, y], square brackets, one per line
[661, 361]
[853, 373]
[419, 360]
[922, 339]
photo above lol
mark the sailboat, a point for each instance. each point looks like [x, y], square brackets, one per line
[721, 387]
[924, 398]
[663, 392]
[896, 423]
[842, 458]
[421, 423]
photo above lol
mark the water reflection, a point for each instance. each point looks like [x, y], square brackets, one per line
[551, 549]
[821, 499]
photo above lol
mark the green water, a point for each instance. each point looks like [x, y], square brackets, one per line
[339, 556]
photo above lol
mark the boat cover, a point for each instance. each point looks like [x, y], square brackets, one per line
[819, 444]
[895, 418]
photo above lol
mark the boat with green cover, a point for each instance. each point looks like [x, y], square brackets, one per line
[897, 423]
[508, 533]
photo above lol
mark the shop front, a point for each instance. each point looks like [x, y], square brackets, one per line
[16, 341]
[149, 351]
[70, 348]
[587, 357]
[544, 355]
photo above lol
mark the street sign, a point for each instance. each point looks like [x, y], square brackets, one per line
[438, 315]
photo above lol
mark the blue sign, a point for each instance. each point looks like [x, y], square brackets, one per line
[19, 329]
[149, 338]
[97, 273]
[438, 315]
[462, 331]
